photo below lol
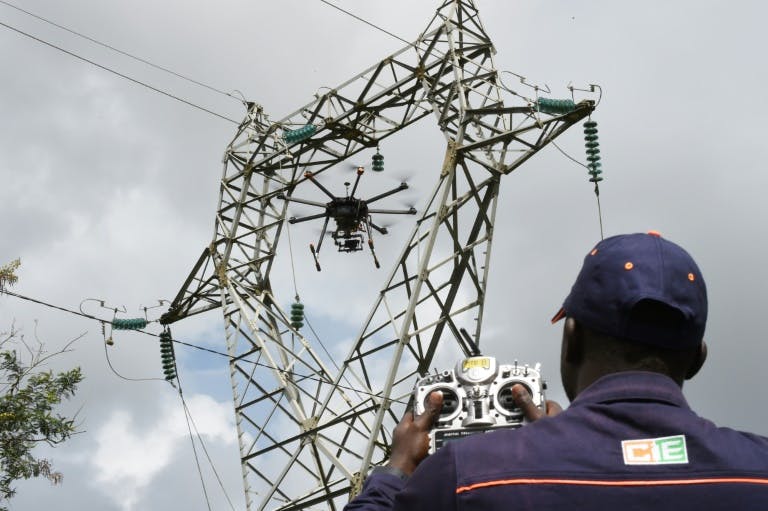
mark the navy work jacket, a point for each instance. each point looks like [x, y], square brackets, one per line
[628, 442]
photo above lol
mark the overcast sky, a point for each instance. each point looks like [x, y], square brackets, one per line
[108, 191]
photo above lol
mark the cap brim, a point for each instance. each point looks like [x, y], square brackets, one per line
[560, 315]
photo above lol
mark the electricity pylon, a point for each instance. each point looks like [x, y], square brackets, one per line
[308, 434]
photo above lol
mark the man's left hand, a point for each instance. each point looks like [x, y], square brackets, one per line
[530, 410]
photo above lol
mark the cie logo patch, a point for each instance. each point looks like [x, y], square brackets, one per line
[655, 451]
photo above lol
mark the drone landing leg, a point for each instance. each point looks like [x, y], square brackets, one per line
[314, 254]
[373, 253]
[322, 234]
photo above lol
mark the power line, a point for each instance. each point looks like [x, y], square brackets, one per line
[191, 420]
[187, 413]
[597, 189]
[121, 52]
[121, 75]
[568, 155]
[367, 22]
[119, 375]
[197, 459]
[104, 321]
[201, 348]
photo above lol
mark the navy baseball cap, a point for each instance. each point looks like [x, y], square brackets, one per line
[622, 271]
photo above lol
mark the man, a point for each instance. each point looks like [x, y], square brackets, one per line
[633, 332]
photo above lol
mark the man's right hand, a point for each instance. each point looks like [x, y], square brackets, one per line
[410, 439]
[524, 401]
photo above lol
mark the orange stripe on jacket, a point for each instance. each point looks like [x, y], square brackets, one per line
[592, 482]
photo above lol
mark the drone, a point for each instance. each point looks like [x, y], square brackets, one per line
[351, 215]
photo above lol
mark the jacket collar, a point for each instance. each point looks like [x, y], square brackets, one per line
[632, 385]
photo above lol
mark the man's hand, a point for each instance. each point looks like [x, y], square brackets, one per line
[532, 413]
[410, 440]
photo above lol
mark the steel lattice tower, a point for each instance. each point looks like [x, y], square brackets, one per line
[306, 440]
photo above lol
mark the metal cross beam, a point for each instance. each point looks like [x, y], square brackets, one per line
[308, 433]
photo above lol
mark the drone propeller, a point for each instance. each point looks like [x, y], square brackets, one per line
[352, 166]
[403, 176]
[408, 201]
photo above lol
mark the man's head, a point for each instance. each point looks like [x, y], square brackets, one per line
[640, 303]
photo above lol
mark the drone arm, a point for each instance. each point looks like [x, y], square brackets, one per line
[357, 180]
[403, 186]
[303, 201]
[294, 220]
[409, 211]
[311, 177]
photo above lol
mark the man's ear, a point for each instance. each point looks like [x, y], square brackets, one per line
[698, 362]
[573, 341]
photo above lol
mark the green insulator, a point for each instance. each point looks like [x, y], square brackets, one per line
[297, 135]
[297, 315]
[129, 323]
[593, 153]
[555, 106]
[377, 162]
[167, 356]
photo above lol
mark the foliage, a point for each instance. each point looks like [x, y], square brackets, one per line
[28, 395]
[7, 275]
